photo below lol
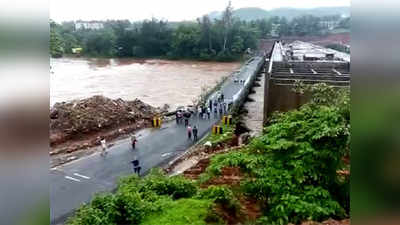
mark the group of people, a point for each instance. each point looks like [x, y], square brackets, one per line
[183, 115]
[136, 167]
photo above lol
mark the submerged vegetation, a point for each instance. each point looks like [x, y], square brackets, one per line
[291, 171]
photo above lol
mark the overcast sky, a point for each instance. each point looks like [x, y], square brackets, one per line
[172, 10]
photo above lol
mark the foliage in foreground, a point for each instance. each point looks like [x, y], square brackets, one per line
[154, 199]
[134, 199]
[293, 167]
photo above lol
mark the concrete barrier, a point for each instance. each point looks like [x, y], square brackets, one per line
[252, 67]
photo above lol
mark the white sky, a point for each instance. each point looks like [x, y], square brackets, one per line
[172, 10]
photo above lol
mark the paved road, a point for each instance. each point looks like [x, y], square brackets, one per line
[75, 183]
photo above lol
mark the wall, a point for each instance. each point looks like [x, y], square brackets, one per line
[254, 66]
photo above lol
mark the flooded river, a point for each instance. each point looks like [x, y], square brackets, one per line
[156, 82]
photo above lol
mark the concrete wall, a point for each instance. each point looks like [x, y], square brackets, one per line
[254, 65]
[280, 98]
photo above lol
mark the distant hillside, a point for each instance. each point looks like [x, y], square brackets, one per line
[251, 13]
[258, 13]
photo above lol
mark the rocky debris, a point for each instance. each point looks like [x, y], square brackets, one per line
[69, 120]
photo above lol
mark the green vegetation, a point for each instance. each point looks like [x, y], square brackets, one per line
[181, 212]
[291, 170]
[228, 132]
[293, 167]
[225, 38]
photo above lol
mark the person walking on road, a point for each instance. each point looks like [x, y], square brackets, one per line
[208, 113]
[210, 104]
[220, 110]
[178, 117]
[103, 147]
[189, 132]
[215, 112]
[195, 133]
[133, 141]
[224, 106]
[199, 111]
[136, 167]
[222, 96]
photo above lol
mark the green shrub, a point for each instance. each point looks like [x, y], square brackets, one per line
[219, 194]
[177, 186]
[293, 167]
[89, 215]
[181, 212]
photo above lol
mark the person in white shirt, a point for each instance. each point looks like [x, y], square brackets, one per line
[103, 147]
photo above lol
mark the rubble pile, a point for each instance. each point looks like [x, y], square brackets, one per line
[98, 113]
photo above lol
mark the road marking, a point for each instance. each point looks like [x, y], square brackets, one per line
[80, 175]
[71, 178]
[166, 154]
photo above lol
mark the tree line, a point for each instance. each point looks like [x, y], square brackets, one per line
[224, 39]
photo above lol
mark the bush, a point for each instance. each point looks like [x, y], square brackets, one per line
[89, 215]
[134, 199]
[182, 212]
[219, 194]
[293, 167]
[177, 186]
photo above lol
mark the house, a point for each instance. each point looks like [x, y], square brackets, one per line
[90, 25]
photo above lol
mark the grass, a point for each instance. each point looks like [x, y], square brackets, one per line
[228, 132]
[181, 212]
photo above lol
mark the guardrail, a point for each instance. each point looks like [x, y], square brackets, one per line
[253, 66]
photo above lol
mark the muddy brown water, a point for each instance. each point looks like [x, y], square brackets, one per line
[154, 81]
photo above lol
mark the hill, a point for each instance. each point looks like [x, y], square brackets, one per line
[253, 13]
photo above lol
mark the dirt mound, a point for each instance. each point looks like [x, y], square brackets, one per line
[230, 176]
[87, 116]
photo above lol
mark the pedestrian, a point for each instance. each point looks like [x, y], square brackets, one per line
[195, 133]
[215, 112]
[224, 105]
[177, 115]
[133, 141]
[199, 111]
[215, 105]
[208, 113]
[210, 104]
[136, 167]
[222, 96]
[189, 132]
[103, 147]
[220, 110]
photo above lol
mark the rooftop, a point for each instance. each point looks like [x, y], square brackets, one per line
[304, 51]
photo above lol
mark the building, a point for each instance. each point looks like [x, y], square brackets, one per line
[90, 25]
[329, 24]
[305, 62]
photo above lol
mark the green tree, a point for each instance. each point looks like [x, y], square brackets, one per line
[56, 41]
[227, 21]
[186, 40]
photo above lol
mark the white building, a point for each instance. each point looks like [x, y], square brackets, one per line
[92, 25]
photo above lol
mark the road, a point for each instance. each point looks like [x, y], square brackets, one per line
[76, 182]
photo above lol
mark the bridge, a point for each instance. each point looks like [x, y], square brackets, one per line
[76, 182]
